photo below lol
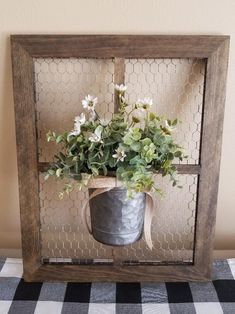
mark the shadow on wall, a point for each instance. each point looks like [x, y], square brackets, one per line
[9, 201]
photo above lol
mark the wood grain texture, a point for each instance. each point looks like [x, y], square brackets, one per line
[26, 155]
[211, 140]
[122, 46]
[214, 49]
[117, 273]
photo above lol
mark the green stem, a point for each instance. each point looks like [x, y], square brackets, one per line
[128, 115]
[146, 129]
[98, 117]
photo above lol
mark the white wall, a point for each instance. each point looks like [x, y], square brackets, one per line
[112, 17]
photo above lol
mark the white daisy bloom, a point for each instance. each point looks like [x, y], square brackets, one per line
[77, 129]
[144, 104]
[104, 122]
[120, 154]
[78, 121]
[89, 102]
[120, 88]
[92, 116]
[138, 114]
[96, 136]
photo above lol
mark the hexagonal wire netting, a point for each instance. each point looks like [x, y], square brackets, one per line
[60, 86]
[176, 86]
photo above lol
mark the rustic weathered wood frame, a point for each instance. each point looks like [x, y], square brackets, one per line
[214, 49]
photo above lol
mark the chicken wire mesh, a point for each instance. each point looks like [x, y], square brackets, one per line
[176, 86]
[64, 234]
[60, 86]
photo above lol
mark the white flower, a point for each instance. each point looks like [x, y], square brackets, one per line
[170, 128]
[96, 136]
[144, 104]
[78, 121]
[138, 114]
[104, 122]
[89, 102]
[77, 129]
[120, 154]
[120, 88]
[93, 116]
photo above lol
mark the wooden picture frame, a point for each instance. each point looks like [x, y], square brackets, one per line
[214, 49]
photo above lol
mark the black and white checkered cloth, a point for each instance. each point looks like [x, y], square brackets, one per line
[214, 297]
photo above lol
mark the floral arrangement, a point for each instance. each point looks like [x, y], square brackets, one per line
[135, 143]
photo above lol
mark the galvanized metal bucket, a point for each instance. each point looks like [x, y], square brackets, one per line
[115, 219]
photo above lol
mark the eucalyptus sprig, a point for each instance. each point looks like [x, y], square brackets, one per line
[136, 143]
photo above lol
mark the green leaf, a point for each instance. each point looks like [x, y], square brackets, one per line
[135, 146]
[76, 167]
[58, 172]
[61, 156]
[69, 161]
[178, 154]
[109, 143]
[99, 130]
[68, 138]
[92, 147]
[147, 141]
[75, 158]
[169, 122]
[80, 139]
[49, 136]
[82, 156]
[73, 147]
[112, 162]
[137, 161]
[158, 139]
[95, 171]
[105, 170]
[147, 148]
[170, 156]
[59, 139]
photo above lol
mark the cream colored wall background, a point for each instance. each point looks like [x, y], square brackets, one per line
[112, 17]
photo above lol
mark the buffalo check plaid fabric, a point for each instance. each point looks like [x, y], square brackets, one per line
[213, 297]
